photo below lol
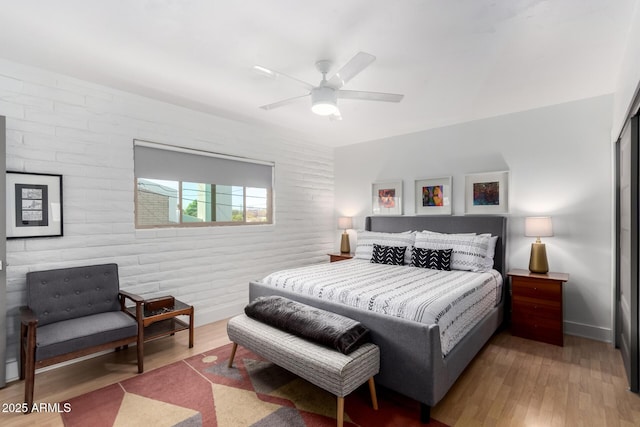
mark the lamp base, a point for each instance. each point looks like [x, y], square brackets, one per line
[345, 248]
[538, 259]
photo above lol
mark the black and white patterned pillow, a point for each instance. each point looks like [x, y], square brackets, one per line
[366, 239]
[435, 259]
[469, 251]
[392, 255]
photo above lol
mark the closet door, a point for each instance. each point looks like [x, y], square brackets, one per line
[3, 257]
[627, 250]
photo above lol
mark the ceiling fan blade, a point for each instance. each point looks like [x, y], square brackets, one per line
[370, 96]
[276, 74]
[355, 65]
[283, 102]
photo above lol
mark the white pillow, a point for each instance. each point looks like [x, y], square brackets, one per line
[491, 250]
[469, 251]
[366, 239]
[437, 232]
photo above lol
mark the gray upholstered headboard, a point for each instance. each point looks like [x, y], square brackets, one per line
[496, 225]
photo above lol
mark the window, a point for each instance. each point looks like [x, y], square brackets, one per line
[178, 187]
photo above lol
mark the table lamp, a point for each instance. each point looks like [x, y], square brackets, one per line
[539, 226]
[344, 223]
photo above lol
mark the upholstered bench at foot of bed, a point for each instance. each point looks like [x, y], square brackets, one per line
[337, 373]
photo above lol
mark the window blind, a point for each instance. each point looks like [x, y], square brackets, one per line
[158, 161]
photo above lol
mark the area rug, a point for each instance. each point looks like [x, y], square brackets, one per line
[203, 391]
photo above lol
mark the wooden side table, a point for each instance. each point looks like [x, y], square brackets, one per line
[160, 318]
[339, 257]
[536, 305]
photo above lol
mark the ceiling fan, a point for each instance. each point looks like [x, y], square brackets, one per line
[324, 96]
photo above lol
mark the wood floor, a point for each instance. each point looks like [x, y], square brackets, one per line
[512, 382]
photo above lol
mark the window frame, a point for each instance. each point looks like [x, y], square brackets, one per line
[180, 207]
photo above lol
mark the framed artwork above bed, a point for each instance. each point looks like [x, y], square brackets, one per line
[386, 198]
[487, 193]
[433, 196]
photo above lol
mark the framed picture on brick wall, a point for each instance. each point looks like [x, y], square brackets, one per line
[34, 205]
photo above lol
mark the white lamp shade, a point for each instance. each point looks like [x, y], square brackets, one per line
[345, 222]
[538, 226]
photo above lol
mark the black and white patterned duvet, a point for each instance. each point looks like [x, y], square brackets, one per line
[454, 300]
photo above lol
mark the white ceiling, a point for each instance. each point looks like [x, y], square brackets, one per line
[454, 60]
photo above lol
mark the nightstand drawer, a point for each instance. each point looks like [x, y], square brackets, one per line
[537, 309]
[540, 330]
[536, 289]
[536, 322]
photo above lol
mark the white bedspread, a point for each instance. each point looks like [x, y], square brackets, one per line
[454, 300]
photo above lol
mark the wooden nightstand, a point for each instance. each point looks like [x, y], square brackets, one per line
[536, 305]
[339, 257]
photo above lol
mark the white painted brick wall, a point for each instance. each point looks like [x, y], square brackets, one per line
[84, 131]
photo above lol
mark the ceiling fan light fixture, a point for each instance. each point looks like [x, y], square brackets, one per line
[324, 109]
[324, 101]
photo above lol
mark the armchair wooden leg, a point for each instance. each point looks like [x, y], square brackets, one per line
[140, 340]
[140, 350]
[30, 369]
[23, 337]
[28, 388]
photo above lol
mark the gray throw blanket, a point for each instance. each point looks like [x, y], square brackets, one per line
[330, 329]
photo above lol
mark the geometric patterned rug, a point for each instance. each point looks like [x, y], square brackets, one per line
[203, 391]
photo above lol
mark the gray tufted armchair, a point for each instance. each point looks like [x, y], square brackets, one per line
[72, 312]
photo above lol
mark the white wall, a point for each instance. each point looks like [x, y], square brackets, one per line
[85, 132]
[628, 81]
[559, 159]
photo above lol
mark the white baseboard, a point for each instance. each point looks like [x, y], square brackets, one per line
[588, 331]
[13, 372]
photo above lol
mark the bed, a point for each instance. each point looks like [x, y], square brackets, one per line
[414, 361]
